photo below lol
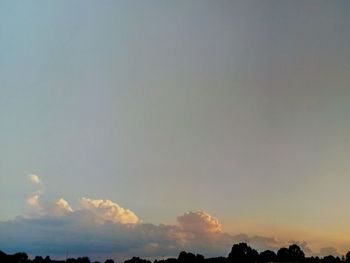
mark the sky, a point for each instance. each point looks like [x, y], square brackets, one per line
[147, 127]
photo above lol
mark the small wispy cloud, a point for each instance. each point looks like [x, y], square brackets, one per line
[33, 201]
[35, 179]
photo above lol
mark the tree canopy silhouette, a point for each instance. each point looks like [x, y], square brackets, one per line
[240, 253]
[243, 253]
[267, 256]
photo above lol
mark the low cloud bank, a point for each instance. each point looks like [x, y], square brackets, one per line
[101, 228]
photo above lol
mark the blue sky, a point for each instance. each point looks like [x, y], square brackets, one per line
[236, 108]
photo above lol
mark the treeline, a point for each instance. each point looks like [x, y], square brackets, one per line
[240, 253]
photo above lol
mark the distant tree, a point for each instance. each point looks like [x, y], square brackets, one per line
[216, 260]
[3, 256]
[83, 260]
[21, 257]
[330, 259]
[295, 253]
[168, 260]
[283, 254]
[240, 253]
[199, 258]
[38, 259]
[312, 260]
[243, 253]
[185, 257]
[347, 257]
[137, 260]
[267, 256]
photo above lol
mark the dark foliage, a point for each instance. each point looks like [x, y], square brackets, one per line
[240, 253]
[168, 260]
[267, 256]
[137, 260]
[243, 253]
[189, 257]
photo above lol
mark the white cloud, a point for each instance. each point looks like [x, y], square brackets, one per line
[34, 179]
[111, 236]
[56, 209]
[101, 229]
[63, 204]
[199, 222]
[33, 201]
[106, 210]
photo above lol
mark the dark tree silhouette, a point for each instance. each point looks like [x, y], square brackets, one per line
[38, 259]
[137, 260]
[21, 257]
[83, 260]
[243, 253]
[216, 260]
[240, 253]
[168, 260]
[185, 257]
[347, 257]
[331, 259]
[283, 254]
[200, 258]
[295, 253]
[267, 256]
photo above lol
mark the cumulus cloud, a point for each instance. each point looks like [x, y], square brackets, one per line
[106, 210]
[199, 222]
[102, 228]
[33, 201]
[98, 210]
[59, 208]
[34, 179]
[81, 232]
[56, 209]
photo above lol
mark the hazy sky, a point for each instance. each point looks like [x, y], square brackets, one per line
[237, 108]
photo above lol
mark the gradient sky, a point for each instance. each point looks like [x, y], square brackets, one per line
[237, 108]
